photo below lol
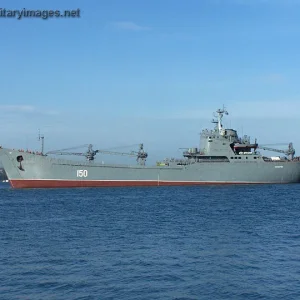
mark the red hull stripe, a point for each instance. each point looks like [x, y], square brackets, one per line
[35, 183]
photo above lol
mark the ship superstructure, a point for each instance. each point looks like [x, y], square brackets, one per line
[222, 158]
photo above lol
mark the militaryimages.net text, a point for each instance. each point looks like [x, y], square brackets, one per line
[42, 14]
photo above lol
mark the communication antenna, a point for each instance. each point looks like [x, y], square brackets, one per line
[41, 139]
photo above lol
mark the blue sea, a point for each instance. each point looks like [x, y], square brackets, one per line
[207, 242]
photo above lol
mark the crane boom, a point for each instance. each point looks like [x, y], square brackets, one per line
[132, 153]
[141, 155]
[66, 153]
[272, 149]
[290, 151]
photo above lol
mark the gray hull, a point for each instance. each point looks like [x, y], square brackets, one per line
[37, 171]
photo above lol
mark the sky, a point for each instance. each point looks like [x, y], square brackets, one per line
[132, 71]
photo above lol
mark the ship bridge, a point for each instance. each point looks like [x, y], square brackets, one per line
[224, 144]
[221, 144]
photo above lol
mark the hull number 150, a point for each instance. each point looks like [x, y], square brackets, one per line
[82, 173]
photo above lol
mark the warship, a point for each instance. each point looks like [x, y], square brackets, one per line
[222, 158]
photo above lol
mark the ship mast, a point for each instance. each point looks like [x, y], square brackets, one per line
[41, 139]
[141, 155]
[218, 122]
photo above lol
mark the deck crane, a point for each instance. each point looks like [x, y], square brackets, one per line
[290, 151]
[90, 154]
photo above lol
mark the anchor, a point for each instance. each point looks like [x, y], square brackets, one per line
[19, 160]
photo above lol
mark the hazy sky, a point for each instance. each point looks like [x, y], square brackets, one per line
[154, 71]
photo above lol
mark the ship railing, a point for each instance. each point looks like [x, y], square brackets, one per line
[212, 160]
[29, 151]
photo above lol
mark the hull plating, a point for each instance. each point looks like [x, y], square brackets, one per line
[110, 183]
[37, 171]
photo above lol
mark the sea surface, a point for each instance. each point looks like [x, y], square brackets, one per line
[207, 242]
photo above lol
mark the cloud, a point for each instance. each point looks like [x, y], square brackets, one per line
[266, 109]
[179, 36]
[131, 26]
[17, 108]
[272, 78]
[26, 109]
[245, 109]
